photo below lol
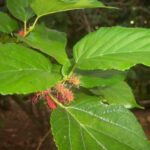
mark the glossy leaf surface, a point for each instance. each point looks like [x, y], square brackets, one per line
[120, 94]
[48, 41]
[53, 6]
[91, 82]
[90, 125]
[20, 9]
[7, 24]
[23, 70]
[113, 48]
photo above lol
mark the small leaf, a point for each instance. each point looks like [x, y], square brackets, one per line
[53, 6]
[119, 93]
[20, 9]
[113, 48]
[23, 70]
[91, 81]
[94, 126]
[48, 41]
[7, 24]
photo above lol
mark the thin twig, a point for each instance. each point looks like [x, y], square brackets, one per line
[33, 25]
[145, 103]
[42, 140]
[87, 24]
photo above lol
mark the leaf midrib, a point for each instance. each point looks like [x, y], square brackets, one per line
[109, 54]
[84, 127]
[81, 125]
[104, 120]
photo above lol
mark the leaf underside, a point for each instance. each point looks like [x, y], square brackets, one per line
[53, 6]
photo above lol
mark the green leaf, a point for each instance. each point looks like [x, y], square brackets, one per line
[53, 6]
[23, 70]
[94, 126]
[48, 41]
[119, 93]
[91, 81]
[20, 9]
[70, 1]
[113, 48]
[67, 67]
[7, 24]
[56, 68]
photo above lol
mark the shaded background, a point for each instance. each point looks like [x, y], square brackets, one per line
[24, 126]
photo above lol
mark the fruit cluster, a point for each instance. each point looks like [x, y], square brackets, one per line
[61, 92]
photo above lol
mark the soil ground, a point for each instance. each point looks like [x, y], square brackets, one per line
[21, 132]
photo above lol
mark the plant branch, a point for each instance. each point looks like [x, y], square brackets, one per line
[25, 27]
[42, 140]
[56, 101]
[33, 25]
[35, 21]
[87, 24]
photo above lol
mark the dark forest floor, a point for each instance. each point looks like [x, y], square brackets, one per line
[20, 132]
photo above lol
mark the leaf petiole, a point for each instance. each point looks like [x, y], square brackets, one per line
[56, 101]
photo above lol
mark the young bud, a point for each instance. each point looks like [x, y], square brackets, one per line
[21, 33]
[60, 88]
[74, 80]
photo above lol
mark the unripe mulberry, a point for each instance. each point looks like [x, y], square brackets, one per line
[68, 94]
[51, 104]
[60, 88]
[64, 95]
[21, 33]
